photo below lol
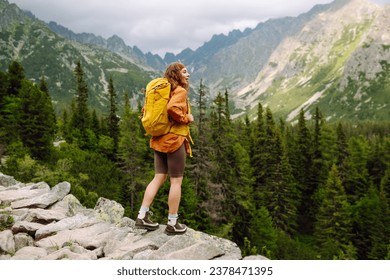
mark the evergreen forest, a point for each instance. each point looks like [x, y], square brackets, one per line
[314, 189]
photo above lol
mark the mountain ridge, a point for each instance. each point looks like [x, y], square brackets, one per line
[114, 43]
[283, 63]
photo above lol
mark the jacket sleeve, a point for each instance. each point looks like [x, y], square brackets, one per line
[177, 106]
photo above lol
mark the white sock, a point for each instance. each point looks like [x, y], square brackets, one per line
[142, 212]
[172, 219]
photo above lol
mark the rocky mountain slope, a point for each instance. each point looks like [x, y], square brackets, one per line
[338, 61]
[43, 52]
[39, 222]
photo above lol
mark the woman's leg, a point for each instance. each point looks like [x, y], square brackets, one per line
[152, 189]
[173, 226]
[160, 175]
[174, 195]
[143, 220]
[176, 164]
[161, 168]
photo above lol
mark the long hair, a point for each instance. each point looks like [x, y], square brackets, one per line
[175, 78]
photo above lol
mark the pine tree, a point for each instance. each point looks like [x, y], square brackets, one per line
[3, 87]
[222, 167]
[81, 116]
[243, 208]
[199, 165]
[3, 92]
[113, 119]
[131, 156]
[272, 155]
[38, 123]
[201, 105]
[222, 141]
[333, 222]
[282, 202]
[377, 160]
[279, 193]
[64, 126]
[342, 152]
[317, 172]
[258, 154]
[385, 185]
[200, 160]
[263, 235]
[10, 103]
[227, 109]
[357, 180]
[247, 133]
[371, 225]
[95, 124]
[51, 115]
[15, 77]
[328, 145]
[301, 164]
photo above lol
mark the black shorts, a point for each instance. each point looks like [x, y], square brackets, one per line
[170, 163]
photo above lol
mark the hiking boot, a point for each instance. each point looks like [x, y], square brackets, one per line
[176, 229]
[146, 223]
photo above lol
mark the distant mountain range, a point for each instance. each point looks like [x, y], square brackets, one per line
[336, 56]
[43, 52]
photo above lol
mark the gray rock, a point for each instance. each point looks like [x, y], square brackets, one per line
[46, 199]
[23, 192]
[71, 206]
[109, 210]
[92, 237]
[44, 216]
[23, 240]
[7, 243]
[69, 223]
[66, 253]
[26, 227]
[30, 253]
[127, 250]
[196, 251]
[6, 180]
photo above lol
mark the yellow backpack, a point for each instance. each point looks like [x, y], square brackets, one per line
[155, 118]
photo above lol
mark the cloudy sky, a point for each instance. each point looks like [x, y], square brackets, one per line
[164, 26]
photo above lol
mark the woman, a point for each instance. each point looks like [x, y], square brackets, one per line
[170, 152]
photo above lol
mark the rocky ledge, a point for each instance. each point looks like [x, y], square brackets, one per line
[40, 222]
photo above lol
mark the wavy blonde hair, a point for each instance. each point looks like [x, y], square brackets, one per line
[175, 78]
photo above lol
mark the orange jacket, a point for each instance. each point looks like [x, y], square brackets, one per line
[178, 109]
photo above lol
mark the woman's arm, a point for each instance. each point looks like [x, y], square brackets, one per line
[177, 106]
